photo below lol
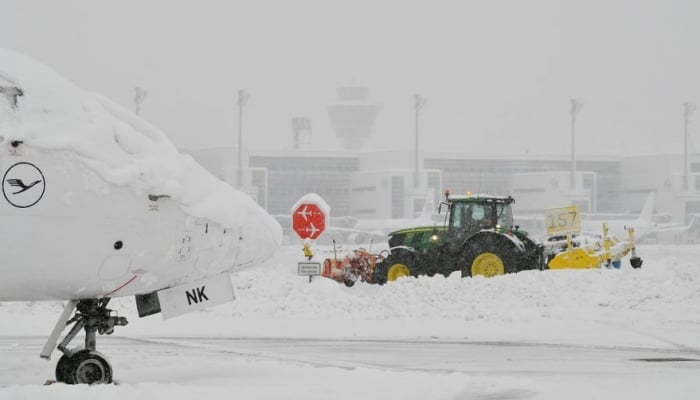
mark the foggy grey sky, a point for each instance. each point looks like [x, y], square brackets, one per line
[498, 75]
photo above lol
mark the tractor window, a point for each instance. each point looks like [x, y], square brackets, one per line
[480, 216]
[505, 216]
[469, 215]
[457, 215]
[483, 215]
[462, 215]
[480, 212]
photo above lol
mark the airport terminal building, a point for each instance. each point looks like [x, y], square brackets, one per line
[358, 183]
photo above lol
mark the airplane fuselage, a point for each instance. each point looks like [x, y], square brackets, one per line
[72, 235]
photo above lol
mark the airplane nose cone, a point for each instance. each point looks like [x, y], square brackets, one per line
[271, 230]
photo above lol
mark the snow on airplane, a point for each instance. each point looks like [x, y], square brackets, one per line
[100, 204]
[644, 224]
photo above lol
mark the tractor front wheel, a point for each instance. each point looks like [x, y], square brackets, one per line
[396, 271]
[391, 269]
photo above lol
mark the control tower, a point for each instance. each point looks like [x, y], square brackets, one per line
[352, 116]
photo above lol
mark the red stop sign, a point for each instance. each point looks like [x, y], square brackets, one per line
[308, 221]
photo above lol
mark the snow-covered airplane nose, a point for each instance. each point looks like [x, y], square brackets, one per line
[259, 239]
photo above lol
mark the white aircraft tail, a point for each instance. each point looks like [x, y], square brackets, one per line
[428, 207]
[428, 210]
[647, 209]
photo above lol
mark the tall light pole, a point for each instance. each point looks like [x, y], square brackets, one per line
[300, 124]
[243, 97]
[419, 103]
[688, 110]
[139, 96]
[575, 108]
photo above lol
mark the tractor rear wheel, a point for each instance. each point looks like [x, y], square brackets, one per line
[487, 264]
[489, 254]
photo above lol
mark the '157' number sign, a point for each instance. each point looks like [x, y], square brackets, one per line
[561, 221]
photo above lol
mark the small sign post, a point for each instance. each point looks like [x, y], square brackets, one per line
[309, 220]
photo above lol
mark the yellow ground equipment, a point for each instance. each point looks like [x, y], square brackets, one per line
[584, 251]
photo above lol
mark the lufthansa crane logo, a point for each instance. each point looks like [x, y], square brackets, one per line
[23, 185]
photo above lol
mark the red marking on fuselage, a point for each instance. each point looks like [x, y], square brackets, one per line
[122, 286]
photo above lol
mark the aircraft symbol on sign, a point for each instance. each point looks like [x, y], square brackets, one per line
[312, 229]
[305, 213]
[308, 220]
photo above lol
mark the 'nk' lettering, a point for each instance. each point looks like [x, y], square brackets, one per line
[196, 295]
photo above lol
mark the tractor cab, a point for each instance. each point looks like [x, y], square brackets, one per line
[473, 213]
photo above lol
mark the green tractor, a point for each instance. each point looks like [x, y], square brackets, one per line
[478, 238]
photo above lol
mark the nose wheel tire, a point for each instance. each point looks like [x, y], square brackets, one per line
[84, 367]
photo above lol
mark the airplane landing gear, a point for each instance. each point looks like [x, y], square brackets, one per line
[84, 365]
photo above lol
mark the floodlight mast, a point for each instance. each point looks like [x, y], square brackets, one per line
[243, 97]
[419, 103]
[688, 110]
[139, 96]
[575, 108]
[300, 124]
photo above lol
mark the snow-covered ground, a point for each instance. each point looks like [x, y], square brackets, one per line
[623, 334]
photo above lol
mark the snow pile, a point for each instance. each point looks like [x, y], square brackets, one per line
[271, 300]
[213, 377]
[563, 306]
[578, 312]
[662, 284]
[123, 149]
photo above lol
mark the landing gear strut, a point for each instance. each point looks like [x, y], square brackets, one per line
[84, 365]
